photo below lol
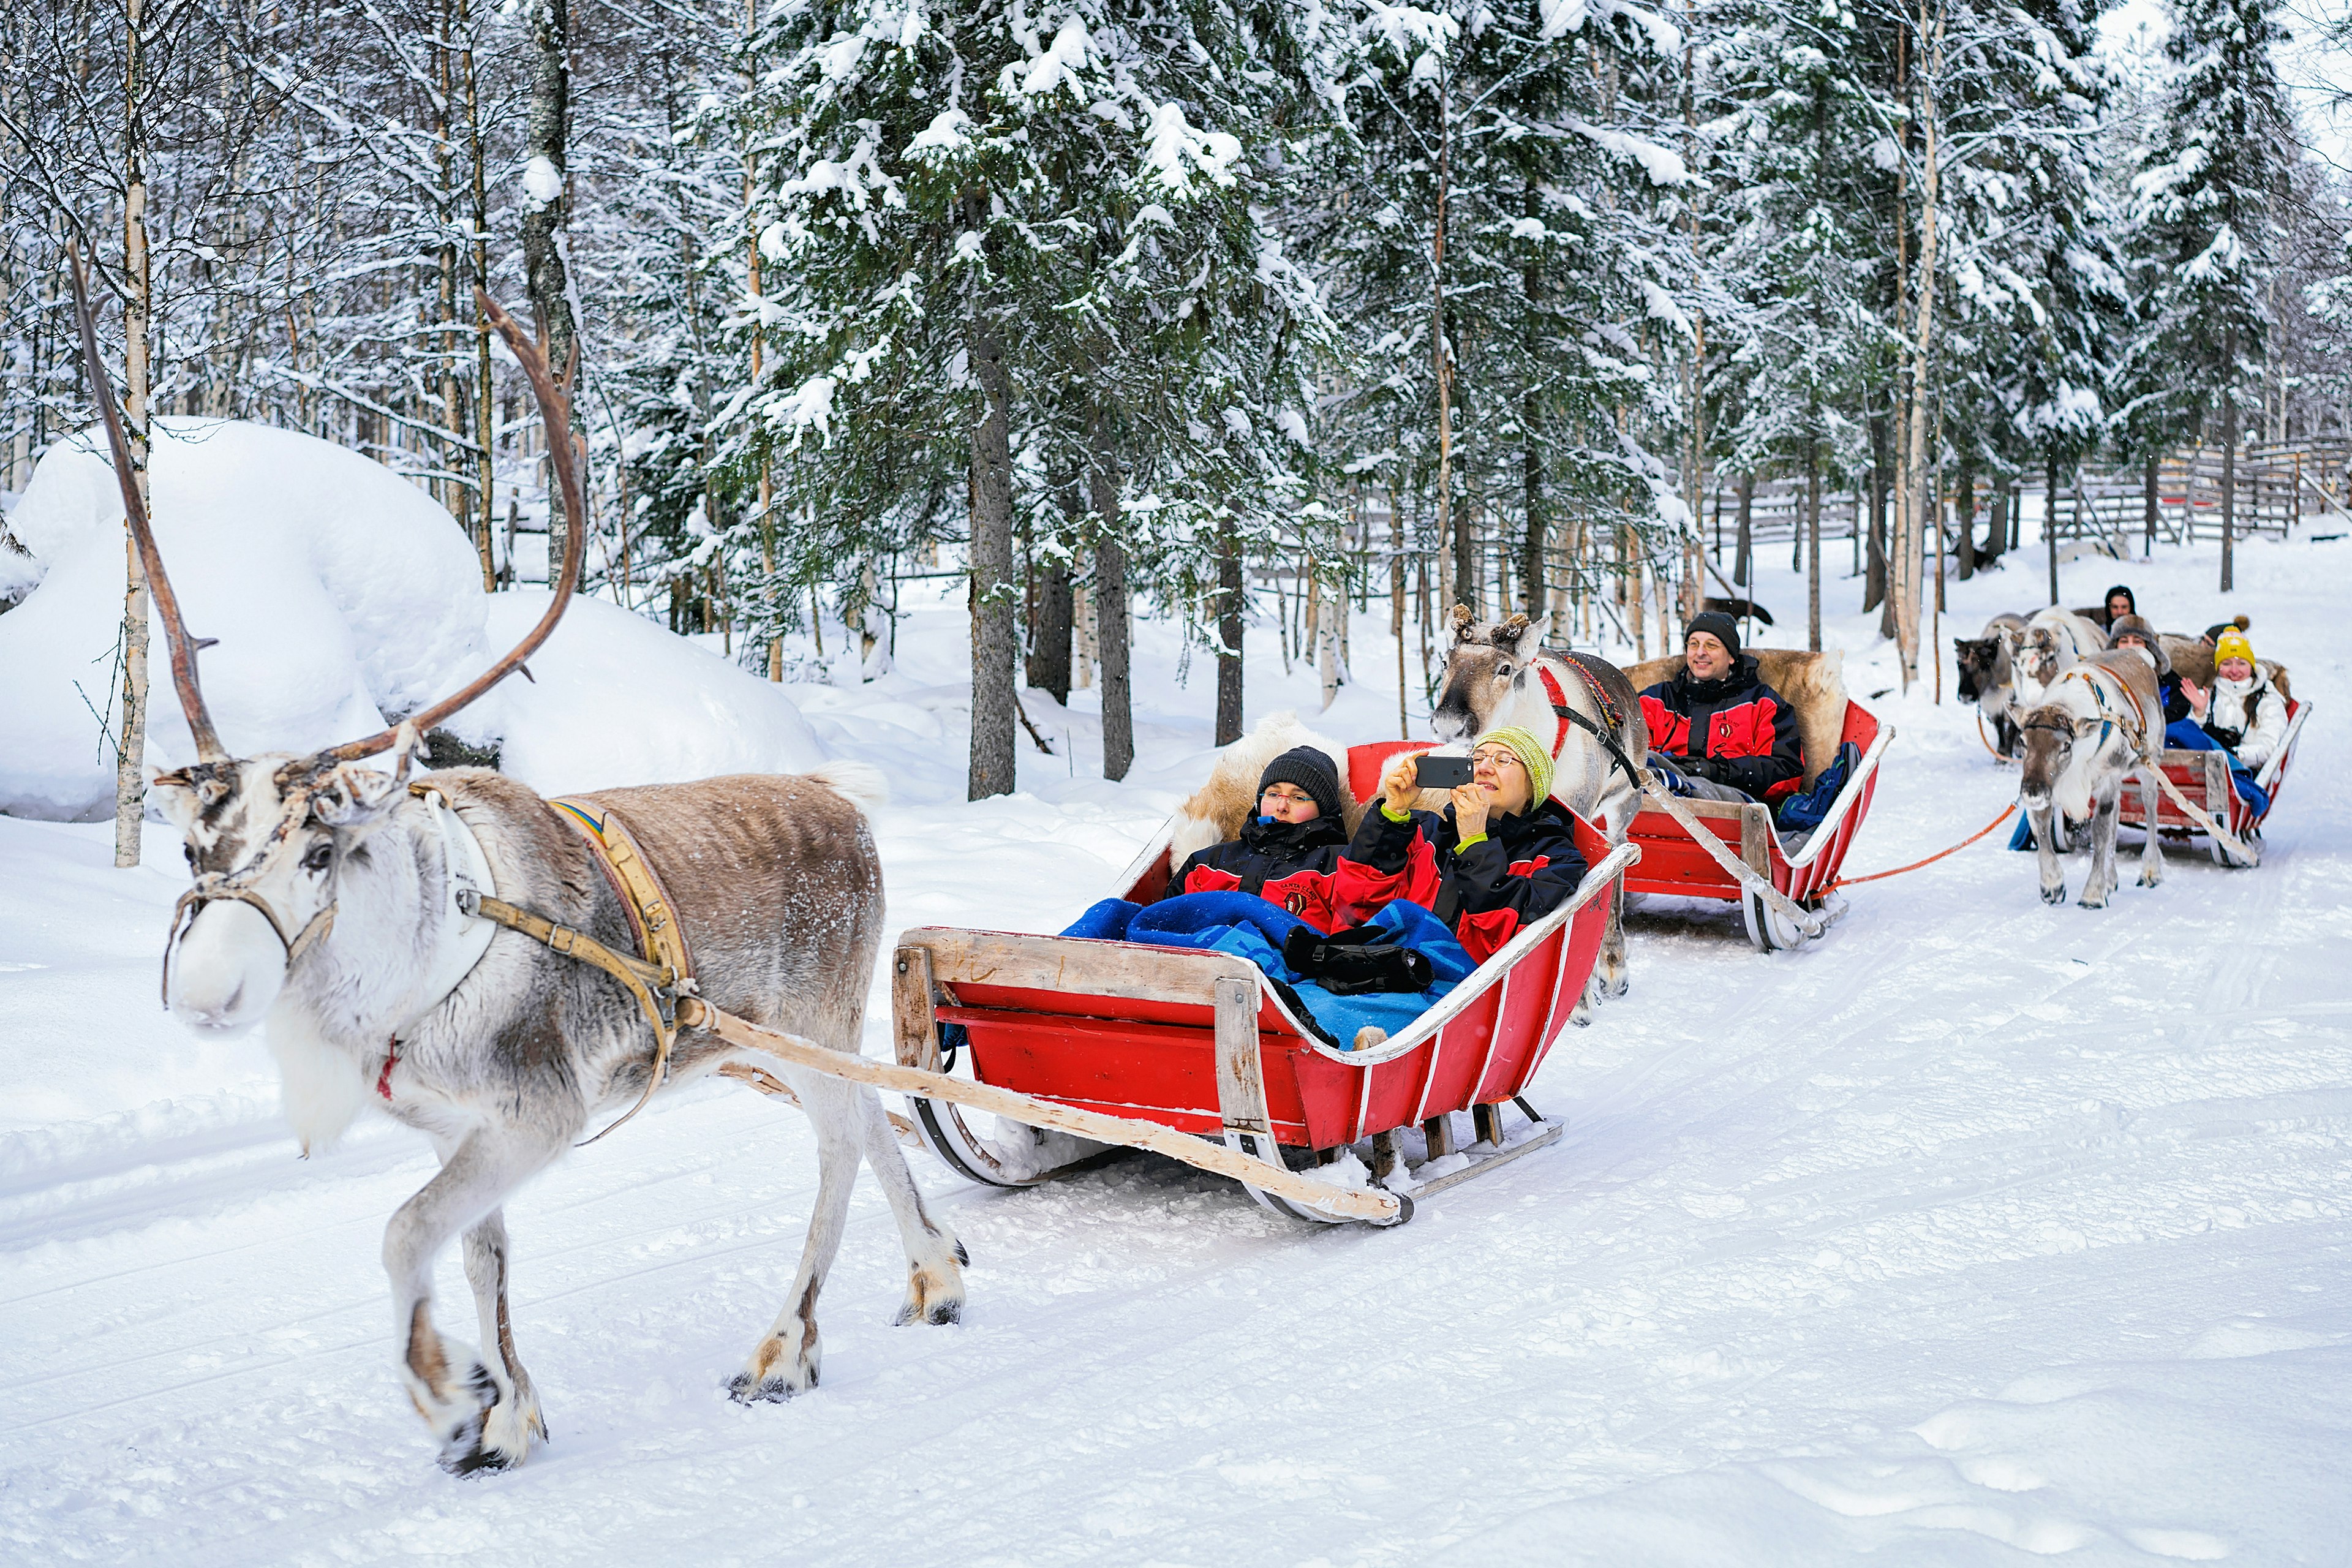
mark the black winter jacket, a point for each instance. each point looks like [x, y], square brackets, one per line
[1746, 729]
[1523, 868]
[1286, 863]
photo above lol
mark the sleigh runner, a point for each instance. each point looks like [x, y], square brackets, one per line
[1203, 1043]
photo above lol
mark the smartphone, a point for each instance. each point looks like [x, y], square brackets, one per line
[1432, 771]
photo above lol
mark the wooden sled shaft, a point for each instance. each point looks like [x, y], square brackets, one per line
[1370, 1205]
[1742, 872]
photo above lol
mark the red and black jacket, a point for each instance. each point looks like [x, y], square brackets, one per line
[1286, 863]
[1523, 869]
[1744, 725]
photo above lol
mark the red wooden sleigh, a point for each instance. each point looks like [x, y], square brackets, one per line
[1202, 1043]
[1673, 862]
[2203, 777]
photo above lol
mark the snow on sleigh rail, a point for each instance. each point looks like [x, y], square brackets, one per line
[2203, 779]
[1674, 863]
[1177, 1040]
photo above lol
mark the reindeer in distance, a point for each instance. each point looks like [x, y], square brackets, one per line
[332, 899]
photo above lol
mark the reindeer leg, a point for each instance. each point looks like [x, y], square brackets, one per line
[447, 1382]
[2151, 849]
[2045, 840]
[2101, 880]
[787, 1360]
[934, 1256]
[514, 1422]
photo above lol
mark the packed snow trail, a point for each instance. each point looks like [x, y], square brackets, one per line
[1978, 1232]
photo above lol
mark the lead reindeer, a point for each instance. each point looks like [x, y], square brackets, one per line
[1499, 674]
[2097, 722]
[340, 903]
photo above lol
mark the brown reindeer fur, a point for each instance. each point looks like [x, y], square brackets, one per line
[1216, 811]
[1811, 683]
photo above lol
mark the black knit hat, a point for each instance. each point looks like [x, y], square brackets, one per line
[1311, 771]
[1718, 625]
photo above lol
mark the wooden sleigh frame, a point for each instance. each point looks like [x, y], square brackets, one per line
[1202, 1043]
[1672, 864]
[2203, 777]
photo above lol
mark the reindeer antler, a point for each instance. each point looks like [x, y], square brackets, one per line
[151, 560]
[1463, 619]
[565, 456]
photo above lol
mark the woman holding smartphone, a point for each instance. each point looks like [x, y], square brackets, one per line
[1499, 857]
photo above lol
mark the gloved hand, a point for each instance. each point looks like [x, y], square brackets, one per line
[1709, 768]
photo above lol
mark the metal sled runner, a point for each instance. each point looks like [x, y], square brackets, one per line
[1201, 1043]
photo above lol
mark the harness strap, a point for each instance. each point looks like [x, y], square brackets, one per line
[1567, 715]
[652, 987]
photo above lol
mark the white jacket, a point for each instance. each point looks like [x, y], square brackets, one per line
[2254, 707]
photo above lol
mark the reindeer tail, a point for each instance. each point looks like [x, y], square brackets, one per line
[862, 785]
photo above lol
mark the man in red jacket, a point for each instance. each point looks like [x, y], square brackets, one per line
[1716, 729]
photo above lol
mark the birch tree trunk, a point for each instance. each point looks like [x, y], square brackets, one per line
[1441, 358]
[1910, 532]
[546, 208]
[485, 393]
[130, 740]
[2229, 456]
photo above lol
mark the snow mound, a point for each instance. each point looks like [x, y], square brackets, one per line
[616, 699]
[340, 595]
[336, 589]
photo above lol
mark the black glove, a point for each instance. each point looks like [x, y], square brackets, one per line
[1708, 768]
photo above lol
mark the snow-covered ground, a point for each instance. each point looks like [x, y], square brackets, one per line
[1981, 1231]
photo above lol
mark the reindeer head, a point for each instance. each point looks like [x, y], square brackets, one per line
[2034, 654]
[1486, 662]
[1981, 665]
[266, 836]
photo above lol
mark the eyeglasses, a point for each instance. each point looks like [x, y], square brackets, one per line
[1496, 756]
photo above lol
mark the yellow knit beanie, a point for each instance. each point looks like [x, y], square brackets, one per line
[2233, 644]
[1532, 755]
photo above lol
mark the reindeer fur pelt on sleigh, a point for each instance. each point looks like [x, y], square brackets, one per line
[1218, 808]
[1811, 683]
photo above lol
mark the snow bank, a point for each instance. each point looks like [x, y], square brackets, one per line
[337, 590]
[619, 700]
[340, 593]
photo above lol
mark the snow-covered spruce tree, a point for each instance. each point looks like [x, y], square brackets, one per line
[2037, 290]
[2219, 161]
[971, 213]
[1794, 120]
[1510, 270]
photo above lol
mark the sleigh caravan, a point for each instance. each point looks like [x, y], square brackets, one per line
[1202, 1043]
[2203, 779]
[1673, 862]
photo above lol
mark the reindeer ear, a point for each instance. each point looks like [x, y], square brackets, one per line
[350, 795]
[174, 794]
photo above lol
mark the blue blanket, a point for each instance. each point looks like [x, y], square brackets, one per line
[1249, 927]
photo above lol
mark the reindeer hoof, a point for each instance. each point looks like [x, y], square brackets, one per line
[743, 1389]
[2090, 904]
[2057, 895]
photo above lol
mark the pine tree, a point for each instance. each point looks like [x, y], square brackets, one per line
[2218, 164]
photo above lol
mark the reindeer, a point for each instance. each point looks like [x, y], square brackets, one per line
[340, 904]
[1984, 678]
[2098, 721]
[1498, 674]
[2044, 647]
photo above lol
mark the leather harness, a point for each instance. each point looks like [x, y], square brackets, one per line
[661, 973]
[1567, 715]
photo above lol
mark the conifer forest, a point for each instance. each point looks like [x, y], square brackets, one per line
[1226, 311]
